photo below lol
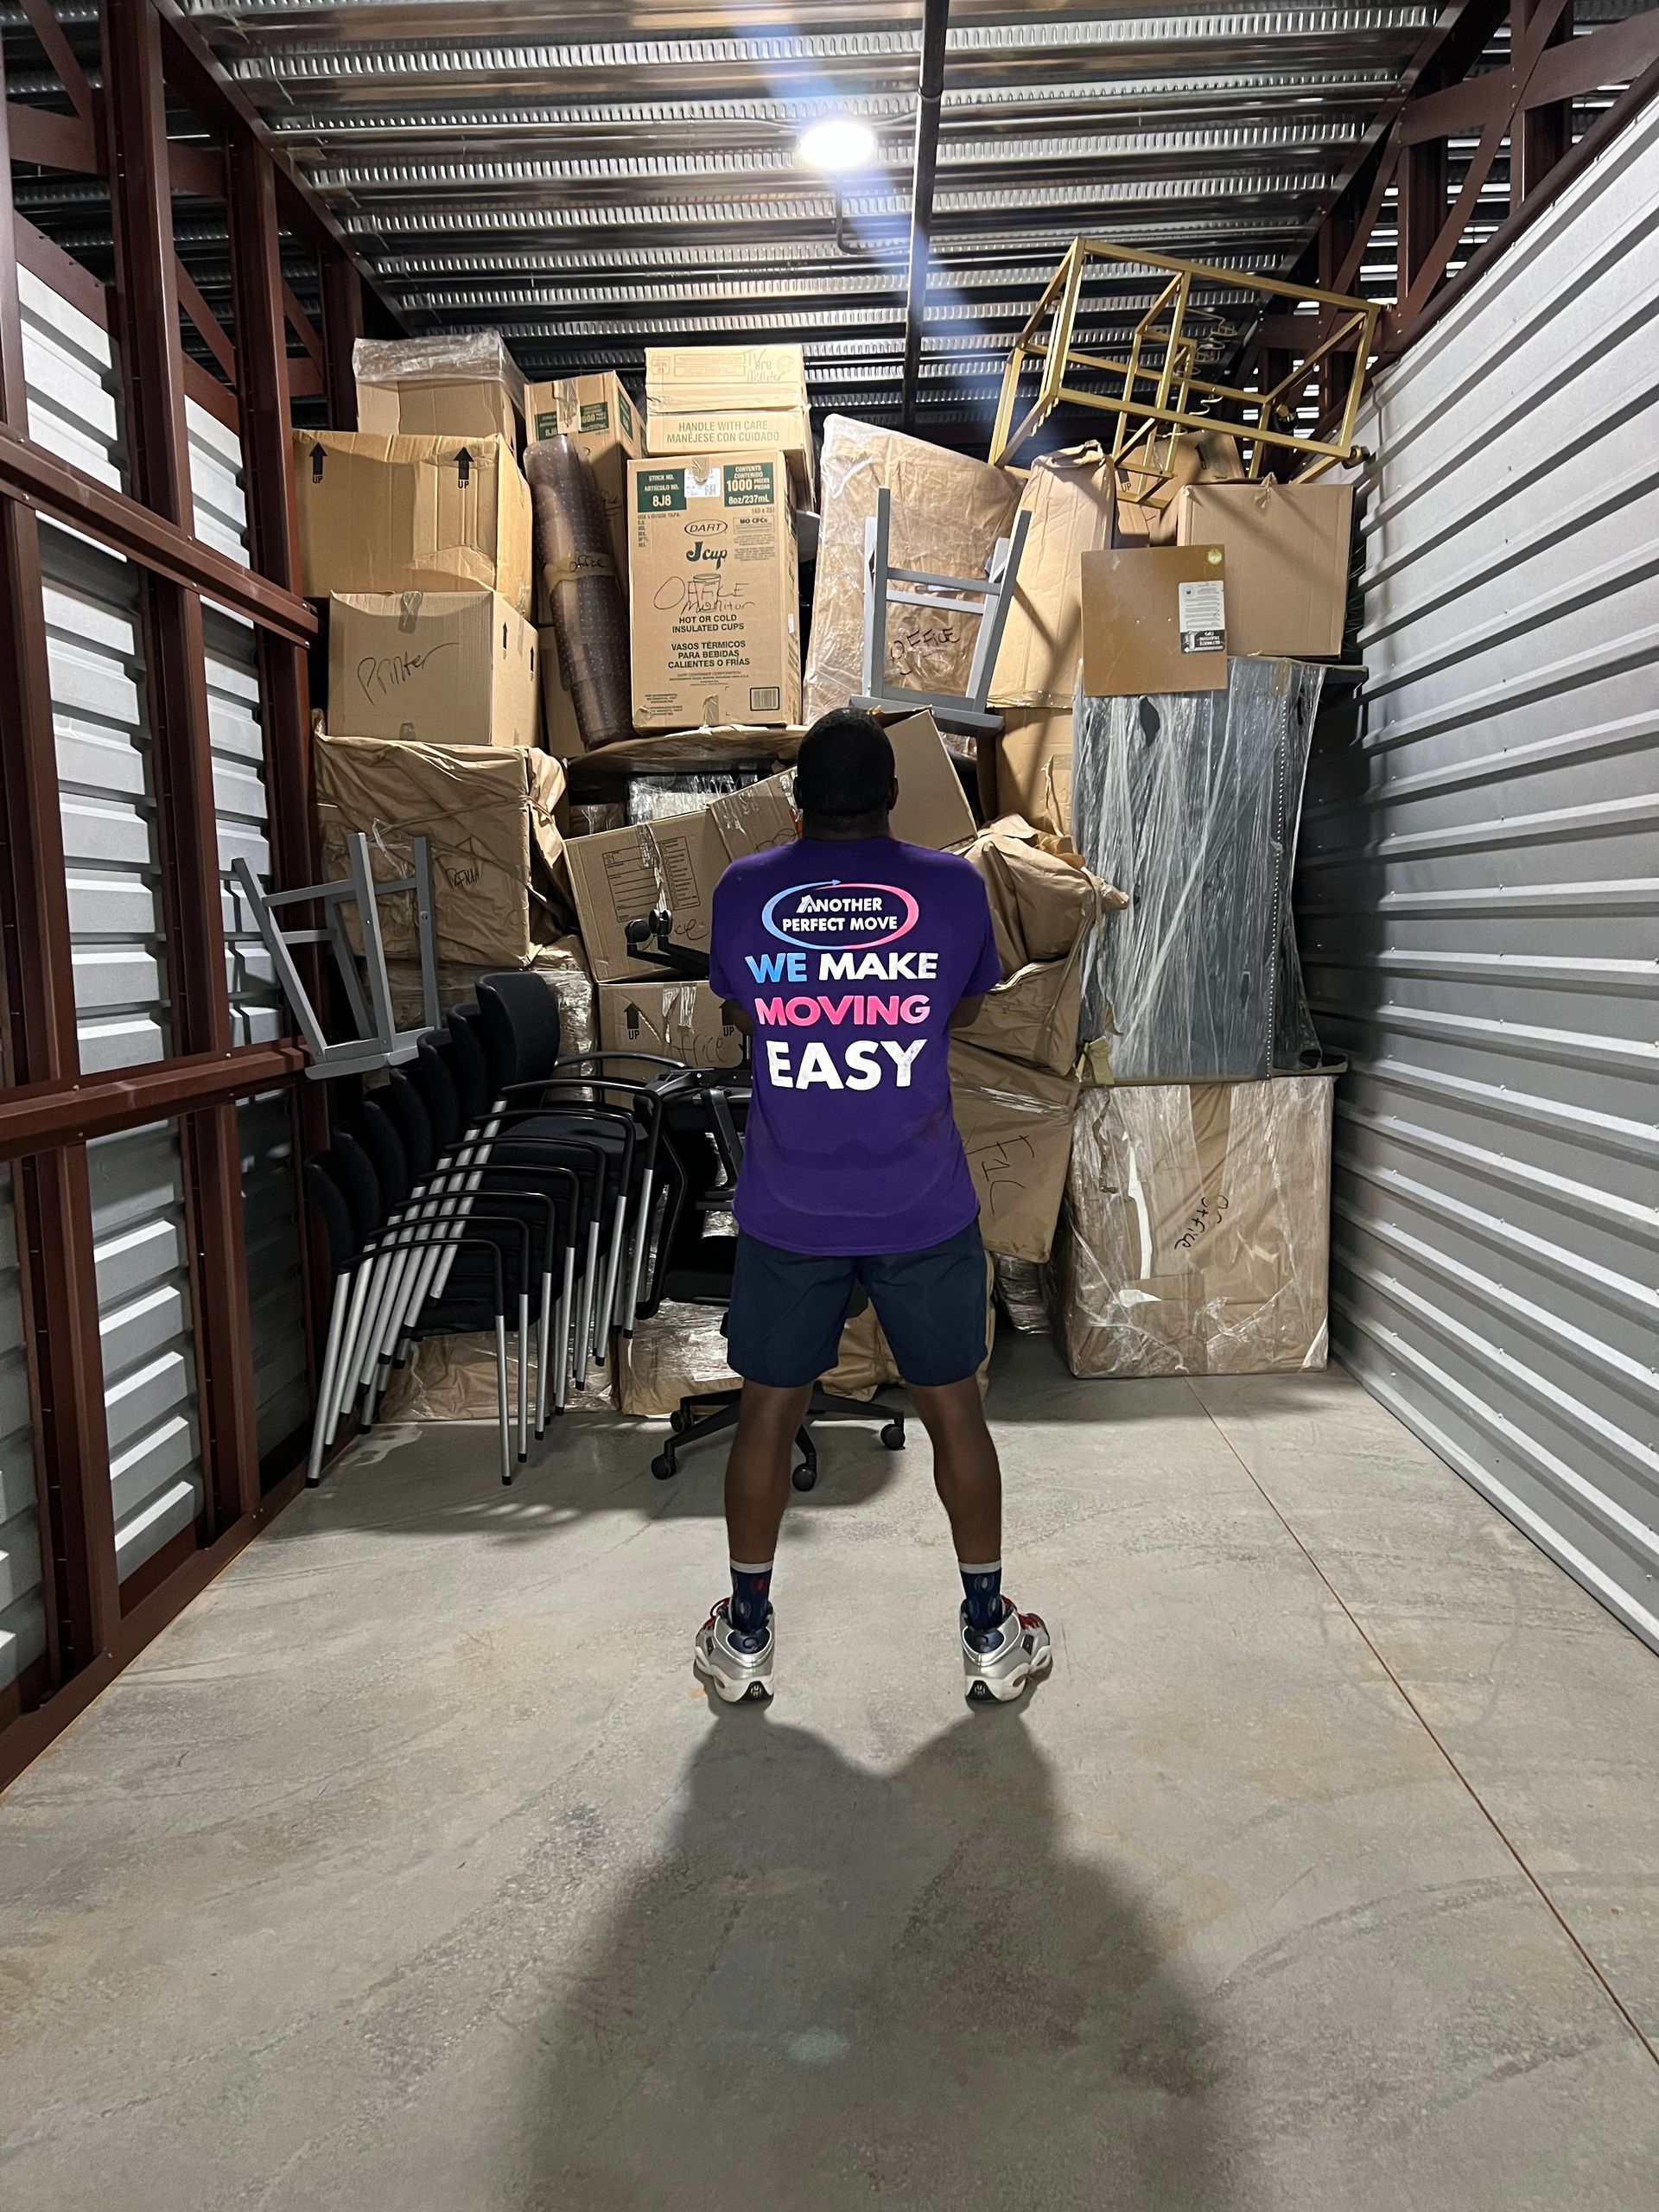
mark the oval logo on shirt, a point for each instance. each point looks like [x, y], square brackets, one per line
[834, 917]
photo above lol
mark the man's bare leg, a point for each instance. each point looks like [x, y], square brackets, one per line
[1002, 1649]
[965, 1470]
[757, 1473]
[735, 1645]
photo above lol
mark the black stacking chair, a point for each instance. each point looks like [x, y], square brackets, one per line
[701, 1153]
[493, 1266]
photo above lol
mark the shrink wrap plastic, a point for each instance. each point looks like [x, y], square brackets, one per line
[575, 563]
[1195, 1235]
[563, 966]
[446, 357]
[1189, 802]
[654, 799]
[1022, 1293]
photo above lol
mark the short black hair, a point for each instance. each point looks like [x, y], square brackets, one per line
[844, 768]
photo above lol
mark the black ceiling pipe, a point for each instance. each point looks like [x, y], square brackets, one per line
[929, 90]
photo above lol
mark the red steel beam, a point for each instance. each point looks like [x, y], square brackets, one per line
[34, 1114]
[181, 748]
[68, 494]
[51, 1195]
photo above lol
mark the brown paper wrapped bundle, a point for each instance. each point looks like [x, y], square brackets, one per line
[576, 564]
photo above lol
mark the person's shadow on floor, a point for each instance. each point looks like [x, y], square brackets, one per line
[839, 1989]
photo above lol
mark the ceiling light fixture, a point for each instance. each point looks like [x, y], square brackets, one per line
[837, 143]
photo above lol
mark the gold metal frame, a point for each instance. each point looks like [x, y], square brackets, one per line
[1164, 354]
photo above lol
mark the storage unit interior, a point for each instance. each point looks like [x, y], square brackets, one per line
[1322, 1870]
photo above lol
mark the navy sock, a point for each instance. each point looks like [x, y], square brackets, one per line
[982, 1595]
[751, 1598]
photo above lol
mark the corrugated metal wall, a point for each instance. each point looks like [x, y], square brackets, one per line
[96, 648]
[1479, 892]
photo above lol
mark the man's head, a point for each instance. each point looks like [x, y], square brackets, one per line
[844, 782]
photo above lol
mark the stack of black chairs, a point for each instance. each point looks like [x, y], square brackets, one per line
[492, 1186]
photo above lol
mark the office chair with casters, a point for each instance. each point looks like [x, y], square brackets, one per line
[702, 1152]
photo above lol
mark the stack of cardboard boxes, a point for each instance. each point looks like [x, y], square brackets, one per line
[1185, 1240]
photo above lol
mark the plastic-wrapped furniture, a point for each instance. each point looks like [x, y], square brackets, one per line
[1188, 801]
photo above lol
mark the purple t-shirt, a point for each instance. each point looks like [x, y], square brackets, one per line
[850, 959]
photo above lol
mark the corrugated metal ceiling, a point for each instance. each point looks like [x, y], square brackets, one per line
[590, 177]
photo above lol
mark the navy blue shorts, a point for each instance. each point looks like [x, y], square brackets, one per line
[784, 1324]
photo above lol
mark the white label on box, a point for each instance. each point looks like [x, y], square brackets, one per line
[1203, 615]
[706, 486]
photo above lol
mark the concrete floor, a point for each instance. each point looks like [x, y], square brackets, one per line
[410, 1872]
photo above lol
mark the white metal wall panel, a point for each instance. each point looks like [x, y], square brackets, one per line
[95, 644]
[141, 1248]
[1480, 892]
[22, 1620]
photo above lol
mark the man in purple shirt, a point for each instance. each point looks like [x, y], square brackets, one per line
[848, 957]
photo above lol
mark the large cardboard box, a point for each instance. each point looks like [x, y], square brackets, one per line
[669, 1022]
[706, 430]
[1070, 499]
[620, 875]
[442, 667]
[1044, 910]
[1195, 1238]
[1033, 773]
[1287, 547]
[496, 848]
[395, 514]
[1015, 1125]
[932, 808]
[948, 512]
[605, 423]
[714, 593]
[723, 377]
[1154, 620]
[464, 384]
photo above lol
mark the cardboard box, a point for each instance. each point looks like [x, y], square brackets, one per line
[948, 512]
[441, 667]
[497, 852]
[724, 378]
[460, 385]
[617, 876]
[1154, 620]
[932, 808]
[673, 1021]
[714, 597]
[757, 817]
[1287, 547]
[1070, 501]
[1032, 773]
[672, 430]
[395, 514]
[1015, 1125]
[1149, 487]
[1043, 911]
[561, 732]
[597, 412]
[1195, 1237]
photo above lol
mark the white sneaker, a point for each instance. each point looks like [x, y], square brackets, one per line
[1020, 1652]
[732, 1672]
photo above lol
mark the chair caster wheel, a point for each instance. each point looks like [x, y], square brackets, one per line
[804, 1476]
[663, 1467]
[893, 1436]
[676, 1421]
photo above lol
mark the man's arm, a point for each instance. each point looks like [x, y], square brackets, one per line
[967, 1011]
[737, 1017]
